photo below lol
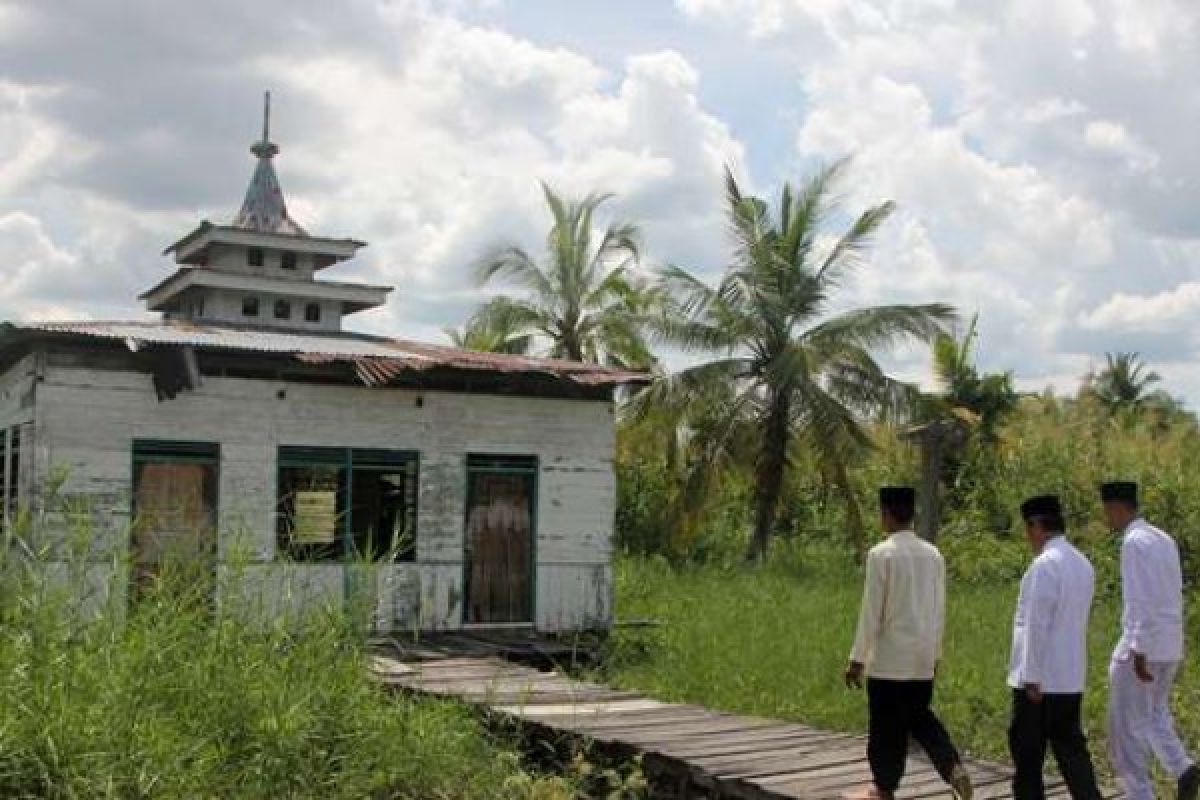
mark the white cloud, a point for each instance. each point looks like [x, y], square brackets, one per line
[30, 257]
[1111, 138]
[398, 123]
[447, 153]
[1175, 309]
[1026, 142]
[1042, 154]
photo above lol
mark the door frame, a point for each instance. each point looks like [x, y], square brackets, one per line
[534, 470]
[174, 451]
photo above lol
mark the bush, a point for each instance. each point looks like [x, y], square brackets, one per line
[175, 699]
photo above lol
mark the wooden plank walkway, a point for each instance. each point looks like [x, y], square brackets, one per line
[696, 751]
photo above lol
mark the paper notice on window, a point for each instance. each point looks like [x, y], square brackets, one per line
[315, 517]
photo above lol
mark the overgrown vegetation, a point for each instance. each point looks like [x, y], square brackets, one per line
[1046, 444]
[176, 699]
[791, 411]
[774, 641]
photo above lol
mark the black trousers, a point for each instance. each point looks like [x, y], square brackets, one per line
[900, 710]
[1055, 722]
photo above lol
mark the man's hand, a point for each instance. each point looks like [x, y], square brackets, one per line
[854, 675]
[1141, 668]
[1034, 692]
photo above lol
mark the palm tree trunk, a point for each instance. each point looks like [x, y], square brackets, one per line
[772, 462]
[855, 528]
[572, 347]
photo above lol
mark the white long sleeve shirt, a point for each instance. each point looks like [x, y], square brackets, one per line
[902, 615]
[1152, 591]
[1049, 640]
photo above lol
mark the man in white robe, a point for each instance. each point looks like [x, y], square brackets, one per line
[1148, 655]
[1048, 667]
[897, 648]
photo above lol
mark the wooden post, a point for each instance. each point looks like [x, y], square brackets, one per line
[6, 480]
[935, 439]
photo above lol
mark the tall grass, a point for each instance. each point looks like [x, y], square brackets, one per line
[774, 642]
[174, 698]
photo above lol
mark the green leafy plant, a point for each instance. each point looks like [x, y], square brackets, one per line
[582, 299]
[791, 369]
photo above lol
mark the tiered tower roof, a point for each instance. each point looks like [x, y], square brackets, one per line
[259, 271]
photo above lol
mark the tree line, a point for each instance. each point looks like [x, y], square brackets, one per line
[772, 368]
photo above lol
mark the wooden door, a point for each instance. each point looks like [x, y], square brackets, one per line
[175, 522]
[499, 541]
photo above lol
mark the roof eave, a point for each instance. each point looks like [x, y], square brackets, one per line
[199, 230]
[375, 370]
[206, 234]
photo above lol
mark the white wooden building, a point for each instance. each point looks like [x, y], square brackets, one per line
[245, 429]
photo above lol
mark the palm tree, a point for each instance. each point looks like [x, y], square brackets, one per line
[799, 374]
[1124, 382]
[583, 299]
[982, 400]
[477, 334]
[689, 442]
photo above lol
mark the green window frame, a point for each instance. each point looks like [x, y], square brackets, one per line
[162, 533]
[10, 474]
[184, 452]
[517, 465]
[339, 504]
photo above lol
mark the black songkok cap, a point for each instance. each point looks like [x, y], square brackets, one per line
[1119, 491]
[897, 497]
[1046, 505]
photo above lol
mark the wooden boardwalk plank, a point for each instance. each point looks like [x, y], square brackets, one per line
[726, 755]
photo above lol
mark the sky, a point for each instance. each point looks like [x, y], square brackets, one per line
[1041, 155]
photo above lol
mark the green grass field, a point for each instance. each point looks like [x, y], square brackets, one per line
[774, 642]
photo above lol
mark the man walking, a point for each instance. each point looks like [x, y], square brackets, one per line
[1049, 658]
[1148, 655]
[897, 647]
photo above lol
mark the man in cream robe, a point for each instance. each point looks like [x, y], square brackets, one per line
[1148, 655]
[897, 647]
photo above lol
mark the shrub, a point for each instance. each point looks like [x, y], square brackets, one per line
[173, 698]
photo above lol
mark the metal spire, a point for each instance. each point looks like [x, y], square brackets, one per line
[264, 209]
[265, 148]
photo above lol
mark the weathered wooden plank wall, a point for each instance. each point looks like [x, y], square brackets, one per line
[88, 418]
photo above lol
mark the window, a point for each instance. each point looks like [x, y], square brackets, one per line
[312, 312]
[255, 257]
[340, 504]
[283, 309]
[174, 508]
[288, 260]
[249, 306]
[10, 472]
[198, 307]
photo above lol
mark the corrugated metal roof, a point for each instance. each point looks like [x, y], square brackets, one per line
[376, 360]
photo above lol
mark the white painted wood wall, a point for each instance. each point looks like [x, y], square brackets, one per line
[86, 420]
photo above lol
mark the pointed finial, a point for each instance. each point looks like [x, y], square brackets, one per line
[265, 148]
[267, 116]
[264, 209]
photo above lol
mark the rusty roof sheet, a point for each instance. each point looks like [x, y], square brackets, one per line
[377, 360]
